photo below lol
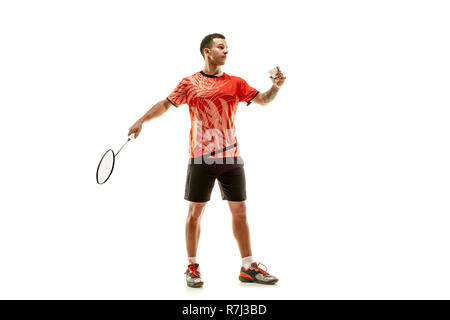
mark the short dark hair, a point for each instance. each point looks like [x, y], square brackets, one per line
[208, 40]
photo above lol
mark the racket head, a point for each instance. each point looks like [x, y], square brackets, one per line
[105, 166]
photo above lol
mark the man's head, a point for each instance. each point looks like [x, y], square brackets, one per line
[214, 48]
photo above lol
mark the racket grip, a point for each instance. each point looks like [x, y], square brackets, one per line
[131, 136]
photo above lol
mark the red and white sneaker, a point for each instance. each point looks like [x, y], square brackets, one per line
[193, 278]
[255, 274]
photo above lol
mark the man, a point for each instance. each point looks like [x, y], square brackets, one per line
[212, 97]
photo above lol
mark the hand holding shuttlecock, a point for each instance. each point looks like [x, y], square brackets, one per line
[277, 77]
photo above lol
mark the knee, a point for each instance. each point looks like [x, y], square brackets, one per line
[239, 210]
[195, 211]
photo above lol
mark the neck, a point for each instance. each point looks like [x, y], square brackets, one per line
[211, 69]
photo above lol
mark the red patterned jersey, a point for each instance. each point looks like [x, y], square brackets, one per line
[212, 102]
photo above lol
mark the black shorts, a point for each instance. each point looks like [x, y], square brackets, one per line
[201, 178]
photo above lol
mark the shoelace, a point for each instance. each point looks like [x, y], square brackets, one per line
[194, 270]
[264, 272]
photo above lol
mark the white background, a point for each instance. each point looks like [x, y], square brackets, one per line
[347, 170]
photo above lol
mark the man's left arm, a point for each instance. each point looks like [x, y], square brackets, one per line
[266, 97]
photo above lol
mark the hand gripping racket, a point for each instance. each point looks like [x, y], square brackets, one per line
[106, 165]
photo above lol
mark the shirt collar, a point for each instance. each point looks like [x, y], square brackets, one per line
[212, 76]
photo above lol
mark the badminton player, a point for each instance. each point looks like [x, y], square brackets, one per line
[212, 97]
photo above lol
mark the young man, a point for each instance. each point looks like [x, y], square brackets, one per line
[213, 97]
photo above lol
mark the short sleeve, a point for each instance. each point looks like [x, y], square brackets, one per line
[178, 95]
[245, 92]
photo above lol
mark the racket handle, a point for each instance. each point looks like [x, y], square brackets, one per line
[131, 136]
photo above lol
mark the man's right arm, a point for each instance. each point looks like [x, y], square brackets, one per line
[156, 111]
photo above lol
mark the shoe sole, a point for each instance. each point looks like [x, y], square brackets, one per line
[242, 279]
[195, 285]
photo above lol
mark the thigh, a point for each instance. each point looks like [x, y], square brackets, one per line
[199, 182]
[232, 183]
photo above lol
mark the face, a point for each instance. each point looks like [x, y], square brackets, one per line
[218, 52]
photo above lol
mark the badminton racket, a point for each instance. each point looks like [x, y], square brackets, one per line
[107, 162]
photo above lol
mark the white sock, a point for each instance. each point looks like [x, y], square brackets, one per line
[192, 260]
[247, 261]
